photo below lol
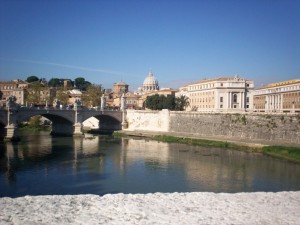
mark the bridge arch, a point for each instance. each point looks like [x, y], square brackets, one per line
[61, 125]
[108, 120]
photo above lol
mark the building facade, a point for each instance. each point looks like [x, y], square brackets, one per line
[13, 88]
[224, 94]
[278, 97]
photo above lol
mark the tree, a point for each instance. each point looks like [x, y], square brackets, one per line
[81, 83]
[32, 79]
[33, 93]
[92, 96]
[62, 96]
[55, 82]
[181, 103]
[159, 102]
[169, 102]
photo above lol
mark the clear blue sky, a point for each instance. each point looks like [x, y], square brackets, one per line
[106, 41]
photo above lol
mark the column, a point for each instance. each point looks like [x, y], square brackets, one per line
[229, 100]
[281, 102]
[242, 100]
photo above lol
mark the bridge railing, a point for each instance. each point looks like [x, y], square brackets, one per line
[65, 108]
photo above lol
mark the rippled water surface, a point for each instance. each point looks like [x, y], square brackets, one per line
[43, 165]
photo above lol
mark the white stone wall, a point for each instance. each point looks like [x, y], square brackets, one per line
[278, 129]
[148, 120]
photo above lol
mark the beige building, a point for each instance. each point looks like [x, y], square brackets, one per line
[74, 95]
[278, 97]
[113, 99]
[13, 88]
[224, 94]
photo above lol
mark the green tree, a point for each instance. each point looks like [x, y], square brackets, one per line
[169, 102]
[159, 102]
[92, 96]
[32, 79]
[81, 83]
[62, 95]
[55, 82]
[34, 122]
[33, 93]
[181, 103]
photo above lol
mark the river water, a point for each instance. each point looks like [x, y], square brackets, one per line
[44, 165]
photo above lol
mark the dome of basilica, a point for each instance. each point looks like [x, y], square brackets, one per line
[150, 83]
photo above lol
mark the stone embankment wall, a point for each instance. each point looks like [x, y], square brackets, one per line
[148, 120]
[274, 128]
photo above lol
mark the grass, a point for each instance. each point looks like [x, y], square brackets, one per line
[289, 153]
[204, 143]
[282, 152]
[34, 128]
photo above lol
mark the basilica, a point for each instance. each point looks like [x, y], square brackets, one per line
[135, 100]
[150, 84]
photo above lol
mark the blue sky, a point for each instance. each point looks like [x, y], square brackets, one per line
[106, 41]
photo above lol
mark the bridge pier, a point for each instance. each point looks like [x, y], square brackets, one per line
[77, 129]
[124, 122]
[12, 133]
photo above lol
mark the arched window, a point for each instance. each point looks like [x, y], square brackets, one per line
[235, 98]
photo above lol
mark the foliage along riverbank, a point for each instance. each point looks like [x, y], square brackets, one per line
[282, 152]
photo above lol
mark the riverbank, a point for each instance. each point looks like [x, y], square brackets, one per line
[288, 152]
[158, 208]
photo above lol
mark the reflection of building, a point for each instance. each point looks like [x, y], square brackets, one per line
[219, 94]
[13, 88]
[134, 150]
[278, 97]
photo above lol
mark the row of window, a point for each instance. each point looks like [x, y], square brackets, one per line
[203, 86]
[202, 100]
[130, 102]
[279, 89]
[203, 93]
[8, 87]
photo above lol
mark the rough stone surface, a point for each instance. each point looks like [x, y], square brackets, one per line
[268, 128]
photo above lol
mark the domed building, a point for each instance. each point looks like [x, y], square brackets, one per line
[150, 84]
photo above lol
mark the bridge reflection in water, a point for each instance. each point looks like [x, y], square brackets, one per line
[42, 164]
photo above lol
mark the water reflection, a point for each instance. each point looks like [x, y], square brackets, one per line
[40, 164]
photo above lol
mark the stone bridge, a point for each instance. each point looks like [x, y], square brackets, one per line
[64, 121]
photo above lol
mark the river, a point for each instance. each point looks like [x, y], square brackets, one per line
[44, 165]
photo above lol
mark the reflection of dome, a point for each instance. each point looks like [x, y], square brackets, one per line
[150, 83]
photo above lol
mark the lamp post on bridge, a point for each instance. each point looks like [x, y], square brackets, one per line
[12, 127]
[77, 125]
[103, 102]
[123, 109]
